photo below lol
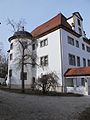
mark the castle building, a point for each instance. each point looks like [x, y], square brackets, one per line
[61, 46]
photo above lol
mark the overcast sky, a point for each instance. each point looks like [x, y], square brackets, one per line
[36, 12]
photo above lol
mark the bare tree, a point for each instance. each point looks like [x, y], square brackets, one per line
[16, 26]
[47, 82]
[3, 64]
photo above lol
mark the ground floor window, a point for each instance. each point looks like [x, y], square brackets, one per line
[82, 81]
[24, 75]
[69, 82]
[10, 73]
[33, 80]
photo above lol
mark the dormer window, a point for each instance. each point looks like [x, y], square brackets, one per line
[79, 22]
[80, 31]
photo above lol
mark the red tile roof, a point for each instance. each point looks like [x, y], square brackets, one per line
[59, 21]
[82, 71]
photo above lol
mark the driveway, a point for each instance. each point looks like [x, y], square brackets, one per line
[29, 107]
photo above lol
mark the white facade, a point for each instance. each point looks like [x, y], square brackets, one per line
[57, 51]
[15, 63]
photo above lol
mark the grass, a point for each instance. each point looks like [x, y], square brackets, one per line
[38, 92]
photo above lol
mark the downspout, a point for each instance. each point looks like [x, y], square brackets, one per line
[61, 51]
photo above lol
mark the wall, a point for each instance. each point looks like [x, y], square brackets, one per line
[54, 55]
[15, 64]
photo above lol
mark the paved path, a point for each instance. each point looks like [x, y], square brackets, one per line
[29, 107]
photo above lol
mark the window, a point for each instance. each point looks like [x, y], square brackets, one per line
[33, 80]
[80, 31]
[83, 46]
[84, 62]
[88, 49]
[78, 61]
[25, 44]
[82, 81]
[33, 46]
[24, 75]
[33, 62]
[44, 61]
[69, 82]
[10, 73]
[72, 60]
[70, 40]
[44, 43]
[88, 62]
[41, 43]
[77, 43]
[78, 22]
[10, 56]
[11, 46]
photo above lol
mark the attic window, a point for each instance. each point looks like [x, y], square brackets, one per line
[80, 31]
[79, 22]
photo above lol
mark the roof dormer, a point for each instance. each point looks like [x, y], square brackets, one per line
[76, 21]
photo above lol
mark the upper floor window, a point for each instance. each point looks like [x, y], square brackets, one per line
[72, 60]
[44, 61]
[83, 46]
[88, 49]
[25, 44]
[88, 62]
[78, 61]
[84, 62]
[11, 46]
[33, 46]
[80, 31]
[70, 40]
[44, 43]
[79, 22]
[11, 56]
[77, 43]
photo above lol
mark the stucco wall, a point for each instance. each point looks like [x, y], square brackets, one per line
[54, 54]
[15, 63]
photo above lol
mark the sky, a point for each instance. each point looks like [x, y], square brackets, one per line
[36, 12]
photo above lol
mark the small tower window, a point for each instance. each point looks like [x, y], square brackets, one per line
[11, 56]
[25, 44]
[33, 46]
[11, 46]
[10, 73]
[79, 22]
